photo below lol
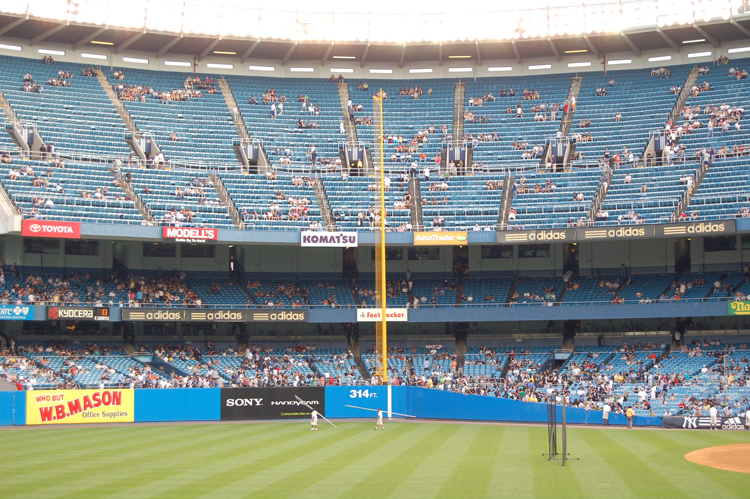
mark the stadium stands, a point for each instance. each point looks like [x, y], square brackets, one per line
[79, 120]
[78, 191]
[282, 131]
[203, 124]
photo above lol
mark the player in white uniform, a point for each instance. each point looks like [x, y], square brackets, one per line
[747, 418]
[379, 422]
[714, 413]
[314, 420]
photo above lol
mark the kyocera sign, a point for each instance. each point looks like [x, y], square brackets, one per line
[375, 315]
[190, 234]
[45, 228]
[329, 239]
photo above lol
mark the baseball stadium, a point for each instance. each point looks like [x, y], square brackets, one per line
[319, 250]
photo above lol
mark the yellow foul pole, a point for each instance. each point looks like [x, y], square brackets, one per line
[383, 288]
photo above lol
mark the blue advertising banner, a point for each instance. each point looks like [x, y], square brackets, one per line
[363, 401]
[16, 312]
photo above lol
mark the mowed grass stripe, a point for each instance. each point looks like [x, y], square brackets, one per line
[115, 465]
[212, 482]
[384, 474]
[308, 478]
[307, 470]
[114, 436]
[471, 475]
[565, 477]
[430, 471]
[214, 457]
[639, 478]
[598, 480]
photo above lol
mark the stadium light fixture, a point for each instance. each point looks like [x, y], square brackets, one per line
[214, 65]
[96, 42]
[342, 70]
[500, 68]
[460, 70]
[302, 70]
[344, 57]
[660, 58]
[381, 71]
[51, 52]
[699, 54]
[536, 67]
[420, 70]
[135, 60]
[222, 52]
[579, 64]
[101, 57]
[183, 64]
[619, 62]
[5, 46]
[581, 51]
[697, 40]
[261, 68]
[459, 57]
[738, 50]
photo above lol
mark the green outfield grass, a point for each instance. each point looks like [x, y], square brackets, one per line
[407, 460]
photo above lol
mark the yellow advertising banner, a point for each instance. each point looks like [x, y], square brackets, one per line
[45, 407]
[440, 238]
[739, 308]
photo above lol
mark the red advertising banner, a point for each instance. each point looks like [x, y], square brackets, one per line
[190, 234]
[48, 228]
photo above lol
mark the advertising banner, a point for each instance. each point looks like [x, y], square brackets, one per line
[739, 307]
[189, 234]
[628, 232]
[697, 228]
[440, 238]
[270, 403]
[47, 407]
[16, 313]
[702, 423]
[536, 236]
[77, 313]
[376, 315]
[212, 315]
[329, 239]
[48, 228]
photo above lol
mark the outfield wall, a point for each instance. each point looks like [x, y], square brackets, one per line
[242, 404]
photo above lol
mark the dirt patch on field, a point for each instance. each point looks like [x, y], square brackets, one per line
[725, 457]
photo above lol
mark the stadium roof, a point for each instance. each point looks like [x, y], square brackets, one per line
[599, 29]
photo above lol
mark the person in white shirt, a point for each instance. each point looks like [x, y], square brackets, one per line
[379, 421]
[314, 420]
[747, 419]
[605, 414]
[714, 413]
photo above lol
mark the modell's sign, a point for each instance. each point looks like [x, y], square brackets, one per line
[440, 238]
[329, 239]
[190, 234]
[376, 315]
[47, 228]
[77, 313]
